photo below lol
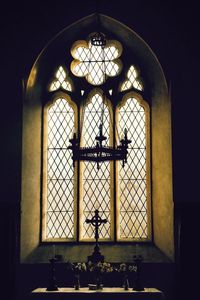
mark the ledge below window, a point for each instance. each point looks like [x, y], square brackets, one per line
[114, 253]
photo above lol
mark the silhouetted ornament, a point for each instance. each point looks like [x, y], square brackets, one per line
[138, 285]
[98, 39]
[52, 281]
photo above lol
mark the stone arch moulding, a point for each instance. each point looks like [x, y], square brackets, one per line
[161, 155]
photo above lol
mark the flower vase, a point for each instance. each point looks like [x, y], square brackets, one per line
[99, 282]
[126, 283]
[77, 282]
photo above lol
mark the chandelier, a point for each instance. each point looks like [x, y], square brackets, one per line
[99, 153]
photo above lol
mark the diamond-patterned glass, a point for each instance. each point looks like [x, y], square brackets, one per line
[60, 81]
[131, 80]
[132, 178]
[60, 172]
[94, 62]
[96, 183]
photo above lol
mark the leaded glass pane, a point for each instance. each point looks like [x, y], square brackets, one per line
[60, 81]
[132, 80]
[96, 183]
[96, 62]
[60, 172]
[132, 178]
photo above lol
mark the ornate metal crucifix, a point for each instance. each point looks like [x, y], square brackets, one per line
[96, 221]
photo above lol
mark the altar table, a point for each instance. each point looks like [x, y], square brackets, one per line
[105, 293]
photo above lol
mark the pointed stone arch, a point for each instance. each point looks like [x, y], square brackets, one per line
[156, 92]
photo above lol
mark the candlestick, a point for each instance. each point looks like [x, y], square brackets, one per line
[52, 280]
[138, 285]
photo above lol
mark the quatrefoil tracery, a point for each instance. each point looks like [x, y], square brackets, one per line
[96, 63]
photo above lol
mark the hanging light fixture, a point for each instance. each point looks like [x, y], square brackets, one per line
[99, 153]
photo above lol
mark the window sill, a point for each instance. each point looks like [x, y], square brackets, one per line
[114, 253]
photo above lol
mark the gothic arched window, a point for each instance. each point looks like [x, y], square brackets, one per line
[120, 193]
[68, 88]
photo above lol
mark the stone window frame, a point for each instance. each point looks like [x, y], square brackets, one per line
[161, 248]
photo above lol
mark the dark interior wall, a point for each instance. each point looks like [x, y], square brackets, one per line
[171, 29]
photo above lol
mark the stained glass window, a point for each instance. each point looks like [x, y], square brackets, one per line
[96, 191]
[121, 194]
[60, 172]
[132, 178]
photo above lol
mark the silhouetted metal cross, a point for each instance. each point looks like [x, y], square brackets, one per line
[96, 221]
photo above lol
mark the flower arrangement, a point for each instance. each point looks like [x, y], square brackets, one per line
[132, 269]
[125, 269]
[77, 267]
[100, 267]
